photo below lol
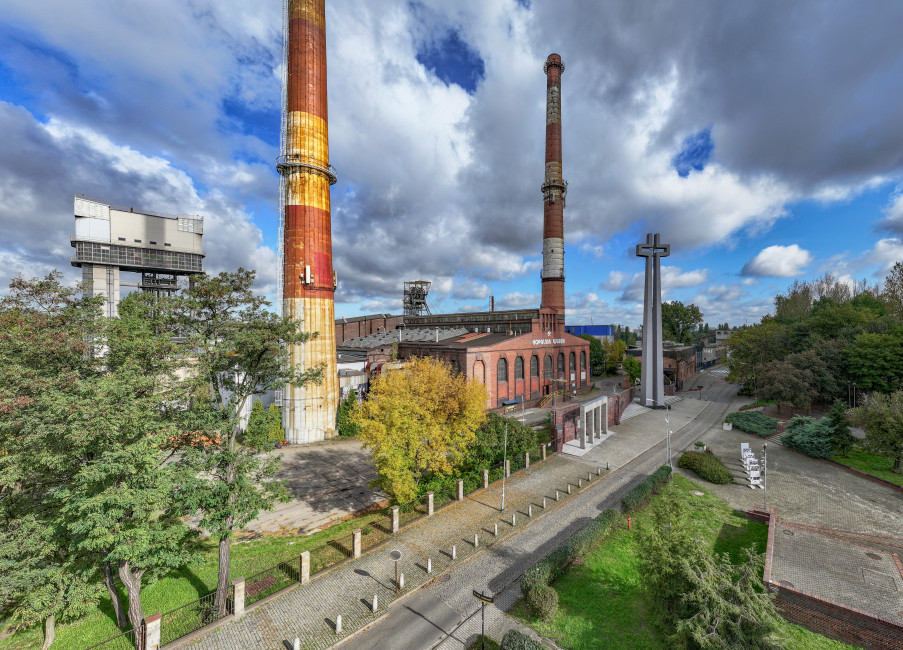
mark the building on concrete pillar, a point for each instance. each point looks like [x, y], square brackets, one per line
[653, 378]
[110, 239]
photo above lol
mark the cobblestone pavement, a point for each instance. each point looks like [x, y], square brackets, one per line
[327, 480]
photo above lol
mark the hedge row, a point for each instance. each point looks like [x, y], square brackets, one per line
[707, 465]
[753, 422]
[517, 640]
[638, 495]
[534, 583]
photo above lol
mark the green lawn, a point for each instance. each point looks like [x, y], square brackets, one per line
[879, 466]
[604, 604]
[188, 584]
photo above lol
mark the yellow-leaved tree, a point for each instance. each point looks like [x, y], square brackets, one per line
[419, 421]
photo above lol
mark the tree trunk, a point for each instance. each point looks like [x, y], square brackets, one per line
[132, 581]
[222, 580]
[121, 620]
[49, 631]
[898, 464]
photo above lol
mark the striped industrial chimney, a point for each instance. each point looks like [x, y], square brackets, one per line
[308, 281]
[554, 190]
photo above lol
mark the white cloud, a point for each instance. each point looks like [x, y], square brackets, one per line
[615, 281]
[516, 300]
[778, 261]
[885, 254]
[893, 213]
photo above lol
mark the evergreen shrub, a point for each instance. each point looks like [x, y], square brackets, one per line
[809, 436]
[707, 466]
[638, 495]
[517, 640]
[753, 422]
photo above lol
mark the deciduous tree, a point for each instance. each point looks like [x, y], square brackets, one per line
[679, 321]
[419, 421]
[882, 418]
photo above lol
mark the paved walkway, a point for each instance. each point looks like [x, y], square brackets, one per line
[308, 612]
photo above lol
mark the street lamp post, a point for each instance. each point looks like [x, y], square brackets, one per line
[668, 425]
[765, 474]
[854, 394]
[504, 464]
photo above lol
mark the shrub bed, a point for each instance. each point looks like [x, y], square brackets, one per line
[638, 495]
[517, 640]
[753, 422]
[810, 436]
[534, 583]
[707, 466]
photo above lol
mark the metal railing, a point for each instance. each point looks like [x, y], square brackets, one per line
[123, 641]
[269, 581]
[188, 618]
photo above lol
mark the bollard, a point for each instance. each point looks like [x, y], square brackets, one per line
[628, 523]
[543, 503]
[429, 503]
[401, 582]
[514, 520]
[394, 519]
[485, 478]
[606, 466]
[589, 477]
[338, 624]
[543, 452]
[454, 552]
[530, 511]
[579, 482]
[429, 565]
[556, 495]
[375, 605]
[569, 488]
[598, 471]
[297, 644]
[476, 540]
[495, 530]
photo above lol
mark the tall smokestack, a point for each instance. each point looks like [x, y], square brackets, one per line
[308, 281]
[554, 190]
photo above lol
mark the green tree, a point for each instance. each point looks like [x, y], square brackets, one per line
[419, 422]
[632, 368]
[240, 349]
[344, 420]
[875, 361]
[795, 304]
[892, 295]
[882, 418]
[786, 384]
[679, 321]
[489, 445]
[275, 431]
[596, 354]
[750, 349]
[841, 436]
[613, 354]
[257, 432]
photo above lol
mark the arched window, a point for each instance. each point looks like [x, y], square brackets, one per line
[502, 374]
[583, 361]
[547, 370]
[572, 363]
[518, 368]
[560, 363]
[534, 366]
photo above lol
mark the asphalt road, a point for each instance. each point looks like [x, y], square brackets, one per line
[445, 614]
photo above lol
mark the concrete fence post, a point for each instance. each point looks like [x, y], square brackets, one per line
[526, 459]
[394, 519]
[152, 631]
[305, 567]
[485, 478]
[460, 489]
[356, 542]
[429, 565]
[507, 468]
[238, 597]
[543, 452]
[429, 503]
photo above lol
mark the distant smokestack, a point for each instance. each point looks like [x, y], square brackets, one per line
[554, 190]
[308, 280]
[491, 303]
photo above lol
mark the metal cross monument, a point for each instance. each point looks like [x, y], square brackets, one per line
[652, 378]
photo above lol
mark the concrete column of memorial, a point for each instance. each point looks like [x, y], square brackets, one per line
[652, 381]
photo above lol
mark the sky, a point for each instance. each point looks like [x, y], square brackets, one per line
[763, 140]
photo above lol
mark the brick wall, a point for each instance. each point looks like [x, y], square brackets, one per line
[617, 404]
[564, 425]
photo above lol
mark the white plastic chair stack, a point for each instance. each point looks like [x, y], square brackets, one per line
[750, 463]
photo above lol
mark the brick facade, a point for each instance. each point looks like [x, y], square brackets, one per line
[350, 328]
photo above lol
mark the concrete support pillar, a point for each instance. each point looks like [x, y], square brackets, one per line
[305, 567]
[356, 542]
[429, 504]
[581, 422]
[460, 489]
[485, 478]
[152, 631]
[238, 597]
[605, 418]
[598, 413]
[394, 519]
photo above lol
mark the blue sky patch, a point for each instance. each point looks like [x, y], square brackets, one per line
[242, 119]
[452, 61]
[694, 153]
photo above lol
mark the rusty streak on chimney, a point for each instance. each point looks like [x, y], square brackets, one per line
[554, 189]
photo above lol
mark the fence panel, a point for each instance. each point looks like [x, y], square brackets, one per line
[331, 553]
[124, 641]
[186, 619]
[269, 581]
